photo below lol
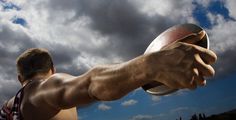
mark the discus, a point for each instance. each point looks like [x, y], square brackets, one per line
[165, 38]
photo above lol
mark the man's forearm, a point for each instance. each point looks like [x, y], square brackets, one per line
[114, 81]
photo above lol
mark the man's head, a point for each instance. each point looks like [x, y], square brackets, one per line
[32, 62]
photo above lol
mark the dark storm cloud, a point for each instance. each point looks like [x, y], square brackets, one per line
[226, 63]
[63, 57]
[12, 44]
[129, 31]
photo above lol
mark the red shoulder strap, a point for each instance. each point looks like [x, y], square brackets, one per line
[5, 112]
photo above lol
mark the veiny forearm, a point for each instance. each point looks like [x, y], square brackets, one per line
[112, 82]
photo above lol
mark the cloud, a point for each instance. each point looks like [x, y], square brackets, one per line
[222, 37]
[170, 9]
[179, 109]
[230, 4]
[103, 107]
[11, 45]
[129, 102]
[204, 3]
[172, 113]
[128, 29]
[142, 117]
[156, 98]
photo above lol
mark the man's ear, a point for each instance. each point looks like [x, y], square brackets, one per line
[20, 79]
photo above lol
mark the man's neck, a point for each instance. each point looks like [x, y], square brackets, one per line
[37, 77]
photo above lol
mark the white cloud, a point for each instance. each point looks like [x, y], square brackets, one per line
[214, 19]
[129, 102]
[103, 107]
[156, 98]
[142, 117]
[153, 7]
[222, 33]
[174, 10]
[172, 113]
[179, 109]
[230, 4]
[204, 3]
[223, 36]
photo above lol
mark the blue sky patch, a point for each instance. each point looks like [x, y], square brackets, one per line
[218, 7]
[20, 21]
[9, 5]
[215, 7]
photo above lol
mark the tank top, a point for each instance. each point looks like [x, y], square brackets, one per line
[13, 113]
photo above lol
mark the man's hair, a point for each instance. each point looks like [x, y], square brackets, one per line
[34, 61]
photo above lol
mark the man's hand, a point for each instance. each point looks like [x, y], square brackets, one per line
[182, 64]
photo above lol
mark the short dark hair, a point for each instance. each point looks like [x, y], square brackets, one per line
[34, 61]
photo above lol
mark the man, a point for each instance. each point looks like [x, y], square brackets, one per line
[47, 95]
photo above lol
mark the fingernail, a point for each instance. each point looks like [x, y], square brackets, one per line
[202, 33]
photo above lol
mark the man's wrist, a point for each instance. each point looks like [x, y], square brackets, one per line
[139, 69]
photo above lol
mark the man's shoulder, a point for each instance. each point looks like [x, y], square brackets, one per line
[40, 86]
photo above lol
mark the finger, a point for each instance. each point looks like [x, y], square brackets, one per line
[193, 38]
[208, 56]
[195, 75]
[198, 78]
[204, 83]
[204, 69]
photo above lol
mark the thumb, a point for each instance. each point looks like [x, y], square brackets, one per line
[193, 38]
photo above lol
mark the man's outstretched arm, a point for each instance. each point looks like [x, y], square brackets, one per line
[180, 65]
[101, 83]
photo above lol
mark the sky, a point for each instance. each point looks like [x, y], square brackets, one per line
[81, 34]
